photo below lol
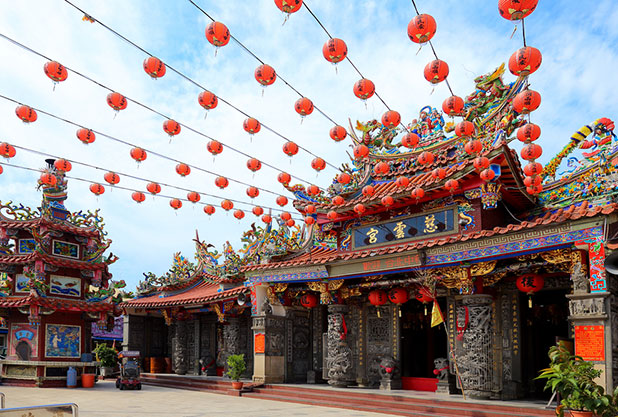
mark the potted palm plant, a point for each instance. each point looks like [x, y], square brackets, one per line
[108, 358]
[235, 368]
[574, 379]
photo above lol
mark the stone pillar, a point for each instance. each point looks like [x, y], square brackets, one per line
[339, 363]
[179, 346]
[269, 349]
[474, 344]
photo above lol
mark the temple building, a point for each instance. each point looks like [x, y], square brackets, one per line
[54, 284]
[438, 263]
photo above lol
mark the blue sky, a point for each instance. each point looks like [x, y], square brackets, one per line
[577, 82]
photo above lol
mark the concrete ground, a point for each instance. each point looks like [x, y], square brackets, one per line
[105, 400]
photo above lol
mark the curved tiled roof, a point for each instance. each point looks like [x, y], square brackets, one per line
[60, 304]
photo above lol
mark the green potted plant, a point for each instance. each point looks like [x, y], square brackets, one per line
[574, 379]
[236, 366]
[108, 358]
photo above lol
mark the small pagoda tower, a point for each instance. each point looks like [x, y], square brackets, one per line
[54, 282]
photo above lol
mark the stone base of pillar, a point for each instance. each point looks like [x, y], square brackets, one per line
[390, 384]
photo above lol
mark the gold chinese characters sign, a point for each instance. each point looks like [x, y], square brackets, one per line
[405, 260]
[420, 226]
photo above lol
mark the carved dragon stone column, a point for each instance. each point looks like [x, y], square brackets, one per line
[474, 344]
[180, 347]
[339, 360]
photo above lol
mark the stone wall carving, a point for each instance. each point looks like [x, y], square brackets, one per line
[339, 360]
[585, 307]
[474, 350]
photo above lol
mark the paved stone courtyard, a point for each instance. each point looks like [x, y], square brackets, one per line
[105, 400]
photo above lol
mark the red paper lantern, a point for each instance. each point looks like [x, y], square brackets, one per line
[48, 179]
[361, 151]
[214, 147]
[487, 175]
[516, 9]
[532, 181]
[194, 196]
[154, 67]
[438, 173]
[344, 178]
[171, 127]
[209, 209]
[531, 151]
[338, 200]
[318, 164]
[227, 205]
[217, 34]
[265, 75]
[533, 168]
[285, 216]
[364, 89]
[368, 190]
[63, 165]
[138, 197]
[378, 297]
[313, 190]
[310, 209]
[422, 28]
[423, 296]
[221, 182]
[183, 170]
[251, 125]
[282, 200]
[289, 6]
[253, 192]
[332, 215]
[290, 223]
[239, 214]
[481, 162]
[473, 147]
[398, 295]
[207, 100]
[309, 300]
[116, 101]
[284, 178]
[387, 201]
[464, 129]
[175, 203]
[86, 136]
[360, 209]
[381, 168]
[97, 189]
[309, 220]
[290, 148]
[257, 211]
[267, 219]
[534, 189]
[453, 105]
[426, 158]
[254, 164]
[26, 114]
[338, 133]
[335, 50]
[303, 106]
[56, 71]
[525, 61]
[402, 182]
[138, 154]
[529, 132]
[530, 283]
[153, 188]
[436, 71]
[526, 101]
[418, 193]
[410, 140]
[391, 118]
[111, 178]
[451, 185]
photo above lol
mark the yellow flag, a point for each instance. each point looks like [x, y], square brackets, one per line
[436, 315]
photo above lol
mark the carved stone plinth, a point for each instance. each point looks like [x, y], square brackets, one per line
[339, 361]
[474, 350]
[269, 349]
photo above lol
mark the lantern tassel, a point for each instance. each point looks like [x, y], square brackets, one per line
[216, 50]
[425, 305]
[365, 101]
[378, 311]
[115, 114]
[514, 30]
[54, 89]
[206, 115]
[336, 70]
[419, 49]
[287, 16]
[399, 311]
[262, 91]
[301, 119]
[529, 301]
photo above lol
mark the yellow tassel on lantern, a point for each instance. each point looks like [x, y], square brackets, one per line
[530, 301]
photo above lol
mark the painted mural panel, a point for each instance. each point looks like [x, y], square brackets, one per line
[23, 341]
[66, 249]
[26, 246]
[21, 283]
[62, 341]
[65, 285]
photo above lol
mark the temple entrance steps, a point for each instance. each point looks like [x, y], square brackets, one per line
[215, 385]
[403, 403]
